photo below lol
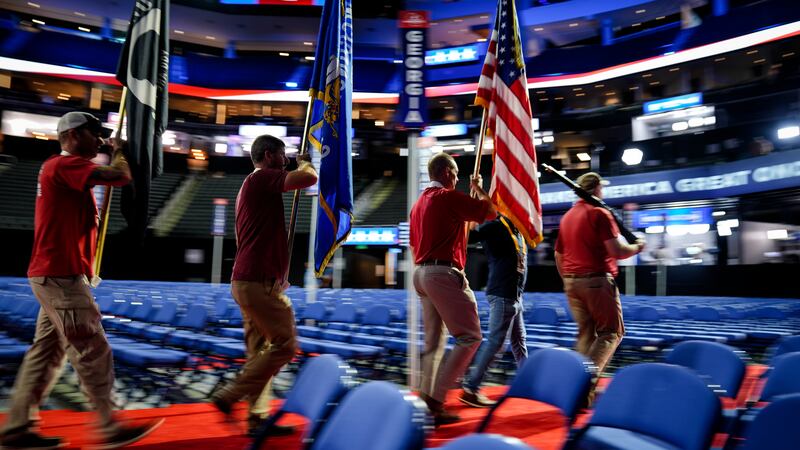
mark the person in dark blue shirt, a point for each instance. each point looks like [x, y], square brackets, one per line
[508, 269]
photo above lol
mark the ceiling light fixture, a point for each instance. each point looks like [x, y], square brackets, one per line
[788, 132]
[680, 126]
[632, 156]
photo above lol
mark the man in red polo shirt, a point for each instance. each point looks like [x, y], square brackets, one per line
[260, 273]
[586, 254]
[438, 236]
[68, 325]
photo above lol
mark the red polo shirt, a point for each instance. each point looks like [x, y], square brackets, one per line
[65, 222]
[261, 249]
[438, 224]
[582, 232]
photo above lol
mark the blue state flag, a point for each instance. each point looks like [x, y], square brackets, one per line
[331, 132]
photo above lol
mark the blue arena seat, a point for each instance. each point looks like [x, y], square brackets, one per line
[543, 315]
[719, 365]
[784, 377]
[486, 442]
[315, 311]
[194, 319]
[319, 387]
[705, 313]
[379, 315]
[375, 416]
[652, 406]
[12, 353]
[163, 315]
[345, 350]
[558, 377]
[345, 312]
[145, 355]
[775, 427]
[788, 344]
[646, 314]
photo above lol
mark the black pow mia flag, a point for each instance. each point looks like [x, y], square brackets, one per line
[144, 69]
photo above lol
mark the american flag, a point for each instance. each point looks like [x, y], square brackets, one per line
[503, 91]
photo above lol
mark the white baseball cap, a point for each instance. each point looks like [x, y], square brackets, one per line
[77, 119]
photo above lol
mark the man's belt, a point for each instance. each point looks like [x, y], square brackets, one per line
[586, 275]
[438, 262]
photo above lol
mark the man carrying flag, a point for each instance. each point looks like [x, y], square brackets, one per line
[331, 131]
[260, 270]
[69, 322]
[144, 70]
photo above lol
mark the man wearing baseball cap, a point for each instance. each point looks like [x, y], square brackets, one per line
[68, 325]
[587, 250]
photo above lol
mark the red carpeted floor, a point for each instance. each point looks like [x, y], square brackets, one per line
[199, 426]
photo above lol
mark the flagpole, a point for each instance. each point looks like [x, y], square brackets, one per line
[296, 201]
[479, 150]
[101, 233]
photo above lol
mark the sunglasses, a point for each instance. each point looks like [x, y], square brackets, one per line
[95, 130]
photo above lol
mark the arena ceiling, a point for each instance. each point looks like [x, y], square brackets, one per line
[292, 28]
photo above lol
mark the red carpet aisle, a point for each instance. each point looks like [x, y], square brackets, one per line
[533, 422]
[198, 426]
[193, 426]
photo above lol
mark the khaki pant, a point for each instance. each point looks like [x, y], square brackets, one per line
[68, 327]
[447, 300]
[270, 337]
[595, 306]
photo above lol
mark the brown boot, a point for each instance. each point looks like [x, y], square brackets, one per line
[440, 415]
[475, 399]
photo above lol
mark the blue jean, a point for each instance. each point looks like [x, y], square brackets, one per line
[505, 318]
